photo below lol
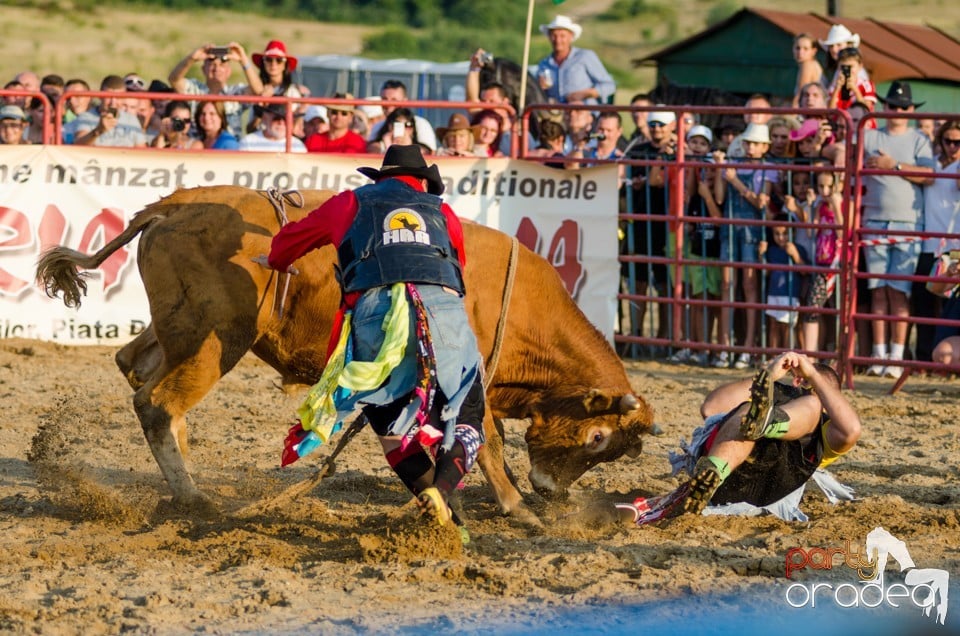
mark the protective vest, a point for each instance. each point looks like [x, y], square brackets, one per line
[398, 235]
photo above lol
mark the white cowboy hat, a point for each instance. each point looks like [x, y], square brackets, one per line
[840, 34]
[562, 22]
[758, 133]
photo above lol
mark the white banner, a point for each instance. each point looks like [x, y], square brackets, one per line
[83, 197]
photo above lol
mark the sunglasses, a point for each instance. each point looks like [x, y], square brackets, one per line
[272, 59]
[135, 83]
[950, 142]
[656, 124]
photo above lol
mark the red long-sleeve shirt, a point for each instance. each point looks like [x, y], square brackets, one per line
[329, 223]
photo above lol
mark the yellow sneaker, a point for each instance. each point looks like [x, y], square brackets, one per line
[433, 504]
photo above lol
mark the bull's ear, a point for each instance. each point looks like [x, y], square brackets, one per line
[596, 400]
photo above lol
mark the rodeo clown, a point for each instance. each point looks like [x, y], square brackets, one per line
[761, 441]
[401, 346]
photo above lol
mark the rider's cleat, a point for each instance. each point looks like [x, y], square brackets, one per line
[755, 422]
[704, 483]
[433, 503]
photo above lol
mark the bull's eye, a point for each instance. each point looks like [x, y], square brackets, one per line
[597, 438]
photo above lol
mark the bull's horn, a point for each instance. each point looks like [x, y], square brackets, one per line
[656, 430]
[629, 402]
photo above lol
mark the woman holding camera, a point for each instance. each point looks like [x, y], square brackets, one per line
[175, 129]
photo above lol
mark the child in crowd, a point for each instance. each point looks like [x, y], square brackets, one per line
[704, 195]
[852, 85]
[798, 205]
[746, 199]
[783, 286]
[827, 213]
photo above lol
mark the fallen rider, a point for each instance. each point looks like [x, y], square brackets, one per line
[761, 441]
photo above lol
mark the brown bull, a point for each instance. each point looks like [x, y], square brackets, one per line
[211, 303]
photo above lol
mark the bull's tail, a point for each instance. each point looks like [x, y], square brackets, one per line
[60, 269]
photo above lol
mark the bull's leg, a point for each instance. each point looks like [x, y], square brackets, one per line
[162, 404]
[494, 469]
[140, 358]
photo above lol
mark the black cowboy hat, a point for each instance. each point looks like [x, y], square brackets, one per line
[899, 95]
[406, 160]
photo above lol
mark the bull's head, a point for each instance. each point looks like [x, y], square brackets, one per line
[567, 438]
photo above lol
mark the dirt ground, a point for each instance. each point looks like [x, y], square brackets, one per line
[90, 545]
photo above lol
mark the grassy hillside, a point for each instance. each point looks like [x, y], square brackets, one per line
[91, 44]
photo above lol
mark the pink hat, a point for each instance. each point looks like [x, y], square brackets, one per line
[275, 48]
[809, 128]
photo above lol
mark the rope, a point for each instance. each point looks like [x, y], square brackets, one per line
[305, 486]
[279, 199]
[494, 360]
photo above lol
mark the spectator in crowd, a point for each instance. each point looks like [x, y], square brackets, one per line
[144, 109]
[782, 147]
[217, 69]
[458, 137]
[947, 337]
[398, 128]
[838, 38]
[52, 87]
[493, 95]
[941, 214]
[175, 128]
[570, 74]
[551, 138]
[736, 148]
[15, 100]
[808, 139]
[13, 123]
[783, 286]
[372, 114]
[704, 196]
[825, 210]
[579, 125]
[489, 127]
[28, 79]
[315, 120]
[809, 70]
[649, 196]
[813, 95]
[640, 133]
[798, 206]
[394, 91]
[893, 203]
[338, 137]
[852, 87]
[108, 124]
[275, 68]
[929, 127]
[272, 136]
[747, 197]
[608, 134]
[210, 125]
[75, 104]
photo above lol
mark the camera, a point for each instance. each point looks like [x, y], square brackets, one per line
[219, 51]
[485, 59]
[846, 70]
[177, 124]
[398, 128]
[599, 136]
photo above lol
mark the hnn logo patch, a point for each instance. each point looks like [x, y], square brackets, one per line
[404, 225]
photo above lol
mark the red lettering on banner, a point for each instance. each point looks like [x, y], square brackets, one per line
[102, 229]
[53, 228]
[16, 225]
[52, 231]
[564, 252]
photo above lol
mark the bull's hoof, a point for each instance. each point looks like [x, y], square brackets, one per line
[526, 516]
[197, 506]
